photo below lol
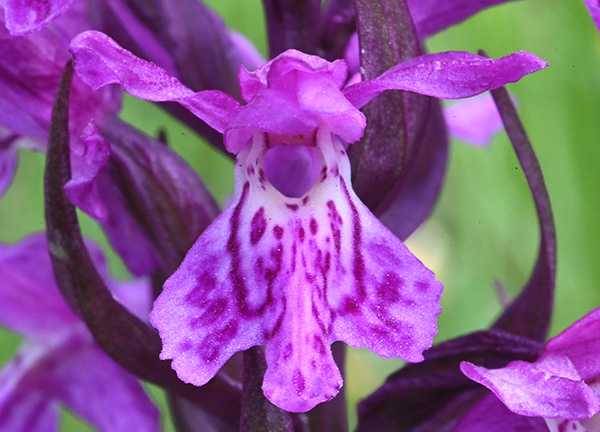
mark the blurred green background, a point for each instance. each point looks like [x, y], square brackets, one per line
[484, 227]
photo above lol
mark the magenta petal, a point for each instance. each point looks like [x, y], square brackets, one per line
[295, 275]
[31, 69]
[594, 8]
[581, 344]
[22, 409]
[27, 412]
[491, 415]
[93, 386]
[475, 120]
[27, 16]
[549, 388]
[31, 303]
[449, 75]
[99, 61]
[89, 154]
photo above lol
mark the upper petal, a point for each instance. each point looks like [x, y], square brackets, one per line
[99, 61]
[449, 75]
[303, 90]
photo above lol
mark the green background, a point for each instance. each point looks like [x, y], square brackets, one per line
[484, 227]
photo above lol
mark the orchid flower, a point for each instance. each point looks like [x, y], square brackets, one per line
[561, 386]
[297, 261]
[475, 120]
[60, 362]
[31, 69]
[107, 156]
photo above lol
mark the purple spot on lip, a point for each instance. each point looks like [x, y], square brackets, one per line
[305, 200]
[213, 312]
[279, 321]
[212, 344]
[288, 351]
[197, 296]
[298, 380]
[301, 234]
[185, 346]
[323, 174]
[258, 226]
[292, 207]
[389, 321]
[388, 290]
[278, 231]
[314, 226]
[350, 306]
[422, 286]
[319, 345]
[209, 348]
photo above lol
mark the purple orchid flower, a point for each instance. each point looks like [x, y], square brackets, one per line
[60, 362]
[475, 120]
[102, 148]
[297, 262]
[31, 69]
[24, 17]
[561, 386]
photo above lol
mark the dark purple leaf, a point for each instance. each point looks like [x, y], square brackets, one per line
[149, 184]
[530, 313]
[414, 195]
[338, 24]
[292, 24]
